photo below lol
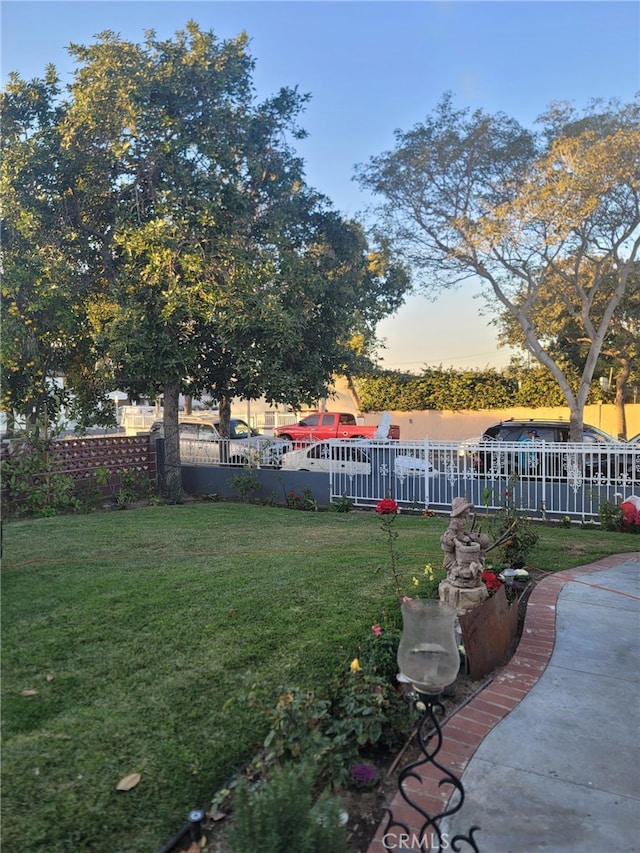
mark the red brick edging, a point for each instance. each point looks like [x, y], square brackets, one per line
[466, 728]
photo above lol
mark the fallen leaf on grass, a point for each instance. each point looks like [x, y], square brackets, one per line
[29, 692]
[128, 782]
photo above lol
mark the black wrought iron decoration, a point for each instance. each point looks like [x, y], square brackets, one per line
[429, 736]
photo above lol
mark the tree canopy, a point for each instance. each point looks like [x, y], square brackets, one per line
[556, 319]
[167, 212]
[534, 216]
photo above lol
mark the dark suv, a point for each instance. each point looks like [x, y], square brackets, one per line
[536, 461]
[512, 430]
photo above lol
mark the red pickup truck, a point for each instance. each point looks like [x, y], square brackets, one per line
[319, 426]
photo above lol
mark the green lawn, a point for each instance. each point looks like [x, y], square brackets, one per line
[137, 629]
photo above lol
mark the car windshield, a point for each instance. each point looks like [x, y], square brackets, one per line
[238, 429]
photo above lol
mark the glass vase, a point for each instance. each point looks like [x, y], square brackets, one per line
[428, 653]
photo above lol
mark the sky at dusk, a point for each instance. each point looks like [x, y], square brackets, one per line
[372, 68]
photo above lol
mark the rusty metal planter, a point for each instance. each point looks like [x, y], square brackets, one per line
[488, 632]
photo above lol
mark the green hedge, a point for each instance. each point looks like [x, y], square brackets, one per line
[457, 390]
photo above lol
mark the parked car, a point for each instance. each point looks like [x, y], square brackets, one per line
[344, 457]
[203, 428]
[244, 445]
[413, 464]
[317, 426]
[613, 462]
[515, 430]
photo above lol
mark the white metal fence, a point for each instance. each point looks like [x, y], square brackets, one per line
[136, 419]
[545, 480]
[259, 451]
[265, 422]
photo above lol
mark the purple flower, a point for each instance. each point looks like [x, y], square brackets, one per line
[364, 774]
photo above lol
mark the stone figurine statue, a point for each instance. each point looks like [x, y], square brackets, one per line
[464, 559]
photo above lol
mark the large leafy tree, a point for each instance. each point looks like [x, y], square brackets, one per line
[476, 196]
[203, 261]
[556, 317]
[44, 281]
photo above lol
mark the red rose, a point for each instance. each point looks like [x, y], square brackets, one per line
[387, 506]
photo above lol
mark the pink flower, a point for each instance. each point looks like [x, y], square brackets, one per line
[377, 630]
[406, 598]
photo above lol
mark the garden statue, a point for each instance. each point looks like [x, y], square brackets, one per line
[464, 559]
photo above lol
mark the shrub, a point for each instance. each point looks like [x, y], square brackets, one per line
[298, 728]
[362, 708]
[125, 485]
[379, 651]
[247, 484]
[515, 535]
[368, 711]
[343, 504]
[34, 484]
[305, 501]
[620, 518]
[611, 515]
[456, 390]
[89, 495]
[280, 815]
[426, 583]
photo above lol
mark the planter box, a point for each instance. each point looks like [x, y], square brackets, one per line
[488, 632]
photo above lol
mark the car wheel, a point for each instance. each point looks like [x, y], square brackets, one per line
[285, 437]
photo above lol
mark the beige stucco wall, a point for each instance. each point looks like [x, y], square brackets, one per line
[460, 425]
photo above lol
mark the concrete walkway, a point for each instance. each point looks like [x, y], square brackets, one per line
[549, 751]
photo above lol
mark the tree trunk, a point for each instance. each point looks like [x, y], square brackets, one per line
[576, 423]
[188, 404]
[575, 402]
[224, 407]
[621, 388]
[172, 472]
